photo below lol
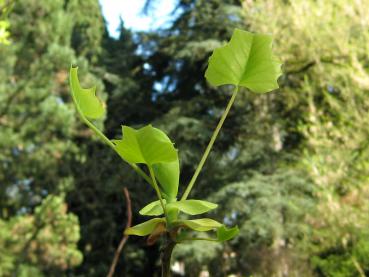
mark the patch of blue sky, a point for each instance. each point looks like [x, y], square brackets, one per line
[130, 11]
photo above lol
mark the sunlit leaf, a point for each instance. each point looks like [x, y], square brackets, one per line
[247, 60]
[144, 228]
[147, 145]
[201, 225]
[193, 207]
[168, 177]
[153, 209]
[85, 99]
[223, 233]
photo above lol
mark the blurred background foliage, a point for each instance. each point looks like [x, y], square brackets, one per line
[290, 167]
[5, 7]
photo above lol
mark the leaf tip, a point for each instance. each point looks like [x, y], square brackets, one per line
[224, 233]
[88, 104]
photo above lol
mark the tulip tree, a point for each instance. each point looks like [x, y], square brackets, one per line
[245, 61]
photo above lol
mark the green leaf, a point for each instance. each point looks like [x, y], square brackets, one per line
[201, 225]
[247, 60]
[223, 233]
[193, 207]
[147, 145]
[168, 177]
[153, 209]
[85, 99]
[145, 228]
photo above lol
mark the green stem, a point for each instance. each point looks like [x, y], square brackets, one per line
[156, 187]
[210, 145]
[108, 142]
[166, 255]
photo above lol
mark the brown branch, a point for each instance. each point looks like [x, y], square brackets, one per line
[303, 68]
[125, 237]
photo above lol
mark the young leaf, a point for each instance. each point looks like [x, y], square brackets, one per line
[247, 60]
[145, 228]
[85, 99]
[153, 208]
[147, 145]
[193, 207]
[201, 225]
[168, 177]
[223, 233]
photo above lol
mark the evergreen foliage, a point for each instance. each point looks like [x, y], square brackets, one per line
[41, 244]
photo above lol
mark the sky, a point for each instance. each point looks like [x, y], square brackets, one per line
[131, 13]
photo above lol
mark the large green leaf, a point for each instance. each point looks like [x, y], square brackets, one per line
[145, 228]
[147, 145]
[168, 177]
[247, 60]
[201, 225]
[223, 233]
[85, 99]
[153, 208]
[193, 207]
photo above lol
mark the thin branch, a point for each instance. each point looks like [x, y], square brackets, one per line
[125, 237]
[358, 267]
[302, 68]
[308, 65]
